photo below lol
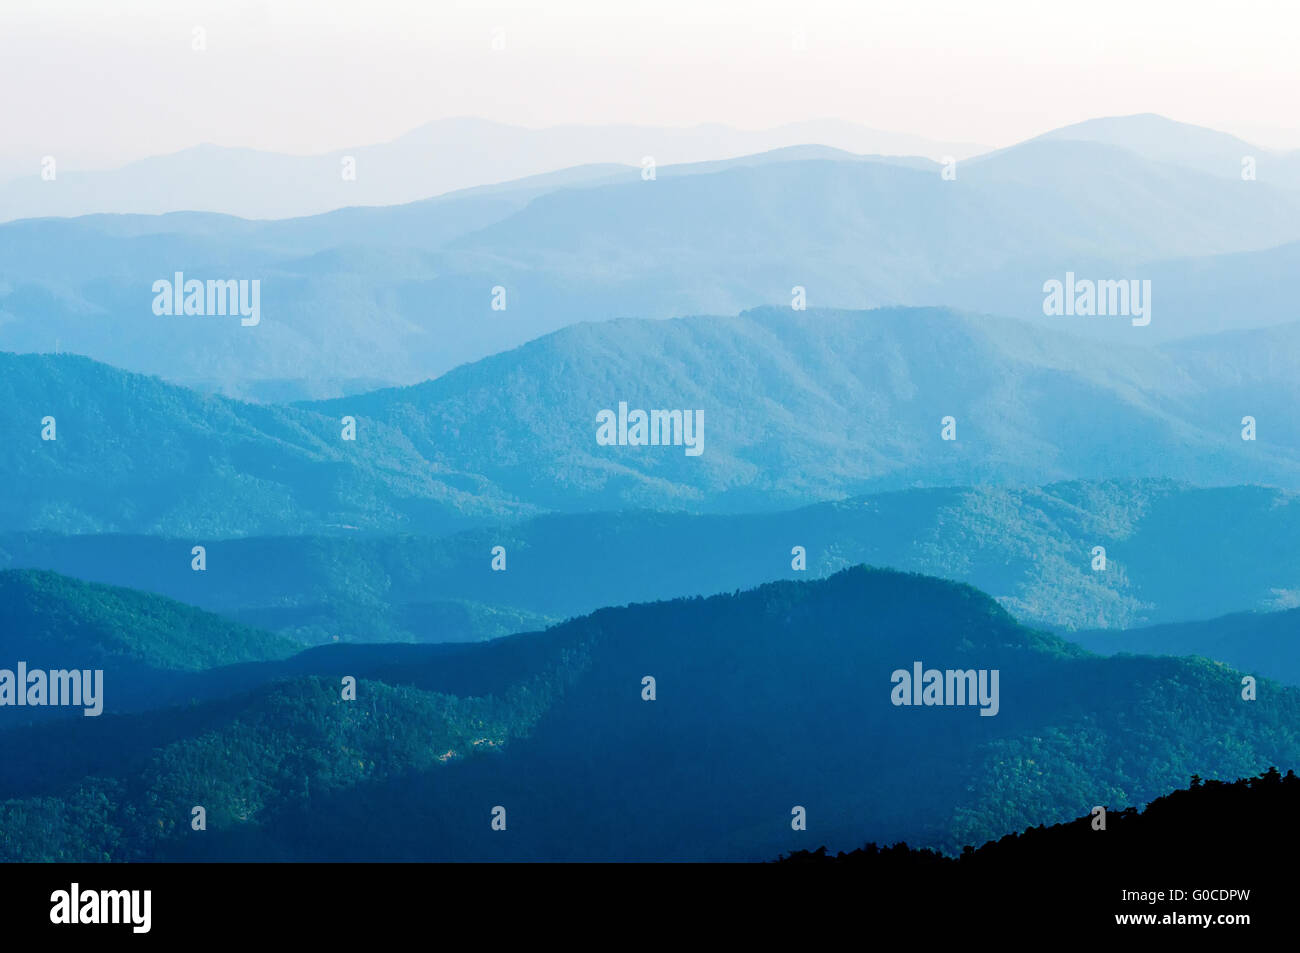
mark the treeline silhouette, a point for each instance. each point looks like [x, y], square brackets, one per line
[1230, 829]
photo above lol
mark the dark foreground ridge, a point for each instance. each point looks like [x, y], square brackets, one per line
[1216, 824]
[1207, 860]
[1210, 857]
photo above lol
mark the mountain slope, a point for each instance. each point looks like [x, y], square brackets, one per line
[1179, 143]
[1256, 642]
[405, 293]
[43, 613]
[132, 453]
[1031, 549]
[1191, 296]
[767, 699]
[149, 648]
[821, 404]
[812, 406]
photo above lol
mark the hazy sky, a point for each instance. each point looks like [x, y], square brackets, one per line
[96, 80]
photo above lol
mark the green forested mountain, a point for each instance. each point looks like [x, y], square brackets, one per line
[90, 625]
[152, 651]
[812, 406]
[764, 700]
[806, 406]
[134, 454]
[1173, 553]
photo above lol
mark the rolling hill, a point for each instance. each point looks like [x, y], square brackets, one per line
[47, 614]
[1031, 549]
[812, 406]
[134, 454]
[767, 699]
[149, 648]
[399, 294]
[806, 406]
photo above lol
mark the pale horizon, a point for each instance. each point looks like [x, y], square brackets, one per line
[368, 76]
